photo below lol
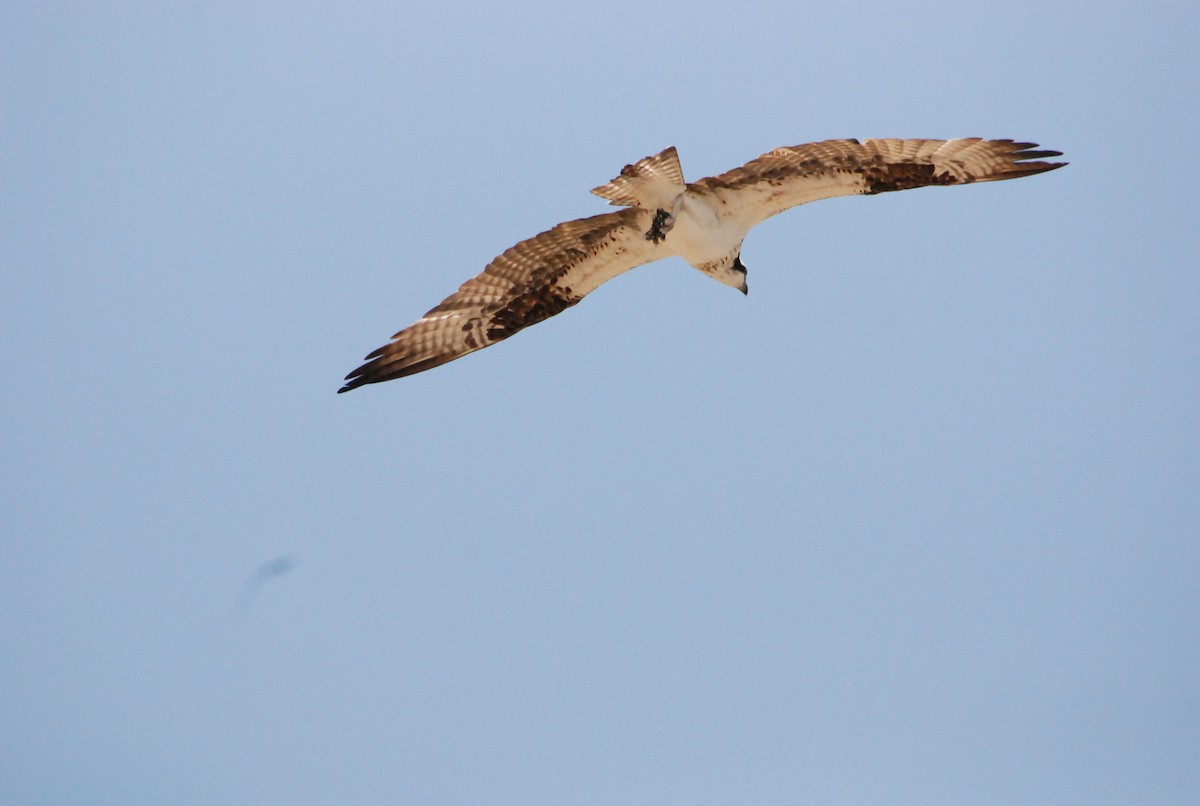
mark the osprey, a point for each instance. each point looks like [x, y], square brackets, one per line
[702, 222]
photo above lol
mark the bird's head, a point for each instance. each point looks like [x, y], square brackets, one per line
[733, 275]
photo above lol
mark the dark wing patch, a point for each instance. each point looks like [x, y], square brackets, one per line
[882, 177]
[531, 305]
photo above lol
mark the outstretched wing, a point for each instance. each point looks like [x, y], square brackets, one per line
[786, 177]
[530, 282]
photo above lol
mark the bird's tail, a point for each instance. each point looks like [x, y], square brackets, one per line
[652, 183]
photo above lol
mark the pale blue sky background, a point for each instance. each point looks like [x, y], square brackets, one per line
[918, 521]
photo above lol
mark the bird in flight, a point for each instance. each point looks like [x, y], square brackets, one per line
[702, 222]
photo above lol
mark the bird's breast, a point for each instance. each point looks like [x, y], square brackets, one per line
[702, 235]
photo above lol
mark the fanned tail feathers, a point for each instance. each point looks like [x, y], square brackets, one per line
[650, 183]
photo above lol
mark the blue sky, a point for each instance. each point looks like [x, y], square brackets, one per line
[914, 522]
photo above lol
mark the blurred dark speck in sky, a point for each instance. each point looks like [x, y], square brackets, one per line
[262, 575]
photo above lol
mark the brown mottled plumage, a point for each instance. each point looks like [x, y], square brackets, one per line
[704, 222]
